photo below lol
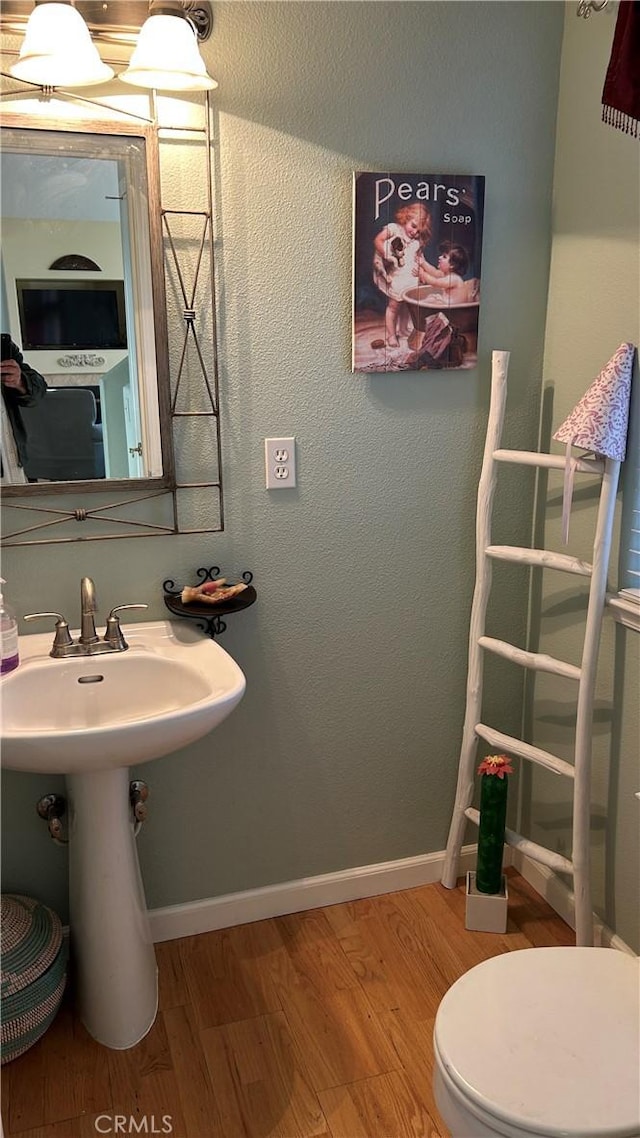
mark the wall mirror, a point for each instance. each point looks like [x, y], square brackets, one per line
[108, 288]
[83, 295]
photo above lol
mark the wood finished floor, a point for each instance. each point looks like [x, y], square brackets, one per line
[315, 1025]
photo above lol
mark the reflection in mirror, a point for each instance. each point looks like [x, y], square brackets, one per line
[82, 302]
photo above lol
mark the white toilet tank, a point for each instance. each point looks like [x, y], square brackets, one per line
[542, 1042]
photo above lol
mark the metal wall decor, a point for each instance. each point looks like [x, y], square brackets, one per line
[193, 502]
[209, 619]
[195, 412]
[586, 7]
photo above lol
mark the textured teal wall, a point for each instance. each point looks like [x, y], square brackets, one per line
[594, 304]
[344, 751]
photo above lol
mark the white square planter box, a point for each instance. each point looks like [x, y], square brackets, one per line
[486, 912]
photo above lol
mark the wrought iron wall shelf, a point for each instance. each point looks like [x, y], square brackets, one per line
[209, 616]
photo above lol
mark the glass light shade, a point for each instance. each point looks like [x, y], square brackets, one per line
[57, 50]
[167, 57]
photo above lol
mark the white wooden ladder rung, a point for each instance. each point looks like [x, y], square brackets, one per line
[548, 461]
[579, 770]
[542, 557]
[524, 750]
[547, 857]
[537, 661]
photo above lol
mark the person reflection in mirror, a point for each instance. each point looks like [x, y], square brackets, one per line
[22, 386]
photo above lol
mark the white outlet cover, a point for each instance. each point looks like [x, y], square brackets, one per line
[280, 463]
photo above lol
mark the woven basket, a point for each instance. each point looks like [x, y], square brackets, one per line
[34, 963]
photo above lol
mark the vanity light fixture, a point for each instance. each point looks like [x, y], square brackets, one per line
[166, 56]
[57, 50]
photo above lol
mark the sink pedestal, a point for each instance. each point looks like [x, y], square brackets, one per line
[110, 939]
[87, 716]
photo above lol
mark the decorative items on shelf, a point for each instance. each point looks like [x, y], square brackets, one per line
[487, 895]
[213, 597]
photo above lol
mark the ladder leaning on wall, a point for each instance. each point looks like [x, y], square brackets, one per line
[584, 675]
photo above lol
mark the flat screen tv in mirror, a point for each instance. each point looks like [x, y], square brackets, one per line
[71, 315]
[89, 187]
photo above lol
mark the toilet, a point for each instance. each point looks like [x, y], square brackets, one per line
[541, 1042]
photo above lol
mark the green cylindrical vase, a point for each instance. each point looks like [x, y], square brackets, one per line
[493, 815]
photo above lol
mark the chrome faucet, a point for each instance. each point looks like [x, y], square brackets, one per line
[88, 642]
[88, 634]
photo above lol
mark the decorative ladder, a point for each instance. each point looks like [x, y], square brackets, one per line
[585, 675]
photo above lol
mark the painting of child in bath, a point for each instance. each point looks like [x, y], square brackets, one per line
[416, 271]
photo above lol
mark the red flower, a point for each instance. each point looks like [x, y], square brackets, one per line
[496, 764]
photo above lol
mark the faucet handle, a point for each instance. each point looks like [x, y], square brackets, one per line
[113, 633]
[62, 639]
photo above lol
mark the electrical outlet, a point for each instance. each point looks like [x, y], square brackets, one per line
[280, 463]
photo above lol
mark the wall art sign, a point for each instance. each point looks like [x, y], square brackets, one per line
[416, 271]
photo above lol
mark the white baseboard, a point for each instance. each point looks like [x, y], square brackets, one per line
[560, 897]
[306, 893]
[212, 913]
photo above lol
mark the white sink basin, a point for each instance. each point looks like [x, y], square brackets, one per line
[93, 713]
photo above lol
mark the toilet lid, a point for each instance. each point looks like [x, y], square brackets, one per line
[547, 1040]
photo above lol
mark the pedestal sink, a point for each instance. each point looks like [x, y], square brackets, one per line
[90, 718]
